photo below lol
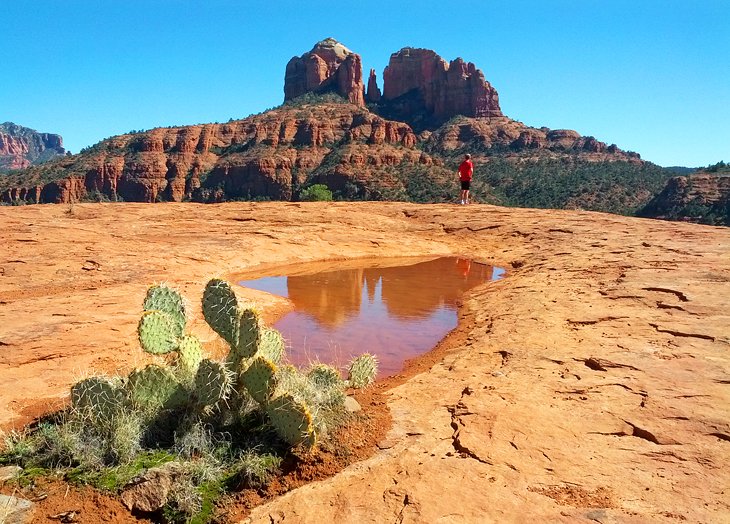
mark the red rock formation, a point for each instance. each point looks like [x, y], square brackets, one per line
[505, 134]
[20, 146]
[329, 66]
[421, 81]
[373, 94]
[692, 198]
[269, 155]
[261, 156]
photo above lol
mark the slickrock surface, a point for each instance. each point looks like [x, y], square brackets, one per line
[591, 384]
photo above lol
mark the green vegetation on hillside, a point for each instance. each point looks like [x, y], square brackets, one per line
[613, 187]
[698, 211]
[720, 167]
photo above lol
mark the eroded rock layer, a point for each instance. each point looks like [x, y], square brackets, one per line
[20, 146]
[701, 197]
[268, 156]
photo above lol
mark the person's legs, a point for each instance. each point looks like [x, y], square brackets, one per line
[465, 186]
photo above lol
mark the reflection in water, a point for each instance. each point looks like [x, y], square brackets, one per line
[396, 313]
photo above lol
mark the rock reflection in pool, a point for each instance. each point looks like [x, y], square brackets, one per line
[396, 313]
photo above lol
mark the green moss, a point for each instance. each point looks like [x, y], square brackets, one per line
[115, 478]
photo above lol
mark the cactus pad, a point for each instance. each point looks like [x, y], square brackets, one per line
[327, 388]
[189, 355]
[292, 420]
[363, 371]
[249, 333]
[163, 298]
[158, 332]
[220, 309]
[156, 387]
[324, 376]
[101, 396]
[213, 383]
[260, 379]
[272, 345]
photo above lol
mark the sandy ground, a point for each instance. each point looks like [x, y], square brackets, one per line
[591, 385]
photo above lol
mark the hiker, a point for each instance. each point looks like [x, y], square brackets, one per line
[466, 170]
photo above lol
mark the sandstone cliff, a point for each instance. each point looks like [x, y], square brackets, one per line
[269, 156]
[264, 156]
[418, 83]
[701, 197]
[20, 146]
[329, 66]
[507, 136]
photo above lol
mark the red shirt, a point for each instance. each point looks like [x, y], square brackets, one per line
[465, 170]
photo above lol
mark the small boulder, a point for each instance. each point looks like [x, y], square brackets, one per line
[9, 472]
[150, 491]
[352, 405]
[14, 510]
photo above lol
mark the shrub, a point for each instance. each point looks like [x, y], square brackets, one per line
[316, 193]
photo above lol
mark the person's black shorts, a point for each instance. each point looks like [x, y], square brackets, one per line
[465, 185]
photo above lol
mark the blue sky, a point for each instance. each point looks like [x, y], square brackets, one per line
[652, 76]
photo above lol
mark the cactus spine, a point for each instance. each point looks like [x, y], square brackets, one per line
[272, 345]
[158, 332]
[167, 300]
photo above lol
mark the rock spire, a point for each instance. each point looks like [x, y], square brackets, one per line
[328, 67]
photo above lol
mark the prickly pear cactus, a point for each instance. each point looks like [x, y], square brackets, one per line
[324, 376]
[327, 389]
[292, 420]
[272, 345]
[168, 300]
[156, 387]
[220, 309]
[249, 333]
[260, 379]
[102, 397]
[363, 371]
[213, 383]
[158, 332]
[189, 356]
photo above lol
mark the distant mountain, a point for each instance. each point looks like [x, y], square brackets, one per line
[21, 146]
[403, 143]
